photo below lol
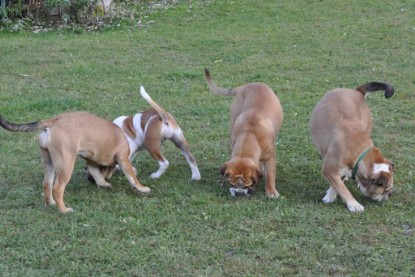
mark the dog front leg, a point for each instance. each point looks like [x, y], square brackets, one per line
[96, 174]
[270, 169]
[339, 187]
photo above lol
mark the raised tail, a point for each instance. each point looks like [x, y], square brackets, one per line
[160, 111]
[215, 89]
[375, 86]
[27, 127]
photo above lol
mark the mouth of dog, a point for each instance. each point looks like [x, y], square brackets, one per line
[238, 187]
[240, 191]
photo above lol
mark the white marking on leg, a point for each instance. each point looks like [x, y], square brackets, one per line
[355, 206]
[163, 167]
[331, 195]
[195, 172]
[193, 166]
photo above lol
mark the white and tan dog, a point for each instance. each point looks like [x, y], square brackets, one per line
[341, 125]
[256, 118]
[64, 137]
[149, 129]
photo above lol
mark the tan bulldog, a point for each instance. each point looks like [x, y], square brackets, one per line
[341, 125]
[100, 142]
[256, 118]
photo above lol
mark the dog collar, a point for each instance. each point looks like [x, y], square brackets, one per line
[356, 165]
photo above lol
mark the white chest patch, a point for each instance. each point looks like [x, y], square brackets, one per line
[380, 167]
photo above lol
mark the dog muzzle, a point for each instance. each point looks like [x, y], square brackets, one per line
[240, 191]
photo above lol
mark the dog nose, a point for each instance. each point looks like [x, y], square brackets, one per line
[240, 184]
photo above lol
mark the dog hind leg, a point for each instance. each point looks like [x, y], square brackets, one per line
[64, 165]
[48, 178]
[155, 152]
[163, 165]
[181, 143]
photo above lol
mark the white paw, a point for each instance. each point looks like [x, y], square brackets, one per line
[144, 189]
[104, 185]
[52, 201]
[328, 199]
[196, 176]
[331, 196]
[272, 194]
[155, 175]
[355, 207]
[66, 210]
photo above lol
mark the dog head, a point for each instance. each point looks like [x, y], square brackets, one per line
[241, 173]
[377, 183]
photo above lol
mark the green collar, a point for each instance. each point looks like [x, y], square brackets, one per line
[356, 165]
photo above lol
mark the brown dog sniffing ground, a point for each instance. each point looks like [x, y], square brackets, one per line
[341, 124]
[64, 137]
[256, 118]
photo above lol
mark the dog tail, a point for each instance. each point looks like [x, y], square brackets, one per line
[215, 89]
[375, 86]
[160, 111]
[27, 127]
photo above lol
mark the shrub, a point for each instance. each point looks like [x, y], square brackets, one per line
[39, 15]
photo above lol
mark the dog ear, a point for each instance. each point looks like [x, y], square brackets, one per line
[256, 176]
[223, 169]
[391, 166]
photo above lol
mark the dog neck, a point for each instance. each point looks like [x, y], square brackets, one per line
[356, 165]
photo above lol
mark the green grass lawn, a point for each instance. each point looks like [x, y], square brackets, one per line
[301, 49]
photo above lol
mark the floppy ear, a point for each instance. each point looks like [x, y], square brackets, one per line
[256, 176]
[391, 166]
[223, 169]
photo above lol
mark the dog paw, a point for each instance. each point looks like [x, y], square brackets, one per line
[272, 194]
[66, 210]
[196, 176]
[104, 185]
[49, 201]
[355, 207]
[155, 175]
[329, 199]
[331, 195]
[143, 189]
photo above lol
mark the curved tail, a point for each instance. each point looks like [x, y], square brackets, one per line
[27, 127]
[215, 89]
[160, 111]
[375, 86]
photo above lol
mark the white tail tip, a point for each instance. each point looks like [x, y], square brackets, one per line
[144, 94]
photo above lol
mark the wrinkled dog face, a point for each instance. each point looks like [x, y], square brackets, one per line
[241, 173]
[380, 184]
